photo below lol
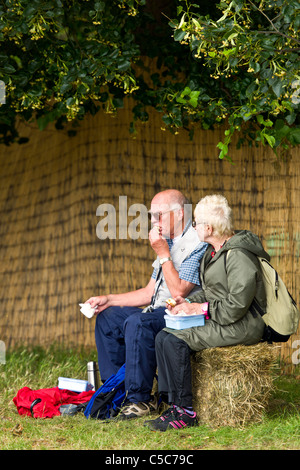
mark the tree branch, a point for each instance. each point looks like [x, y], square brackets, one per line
[271, 22]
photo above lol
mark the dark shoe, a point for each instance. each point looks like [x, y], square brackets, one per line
[137, 410]
[173, 418]
[164, 415]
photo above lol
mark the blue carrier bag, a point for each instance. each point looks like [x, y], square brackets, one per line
[107, 400]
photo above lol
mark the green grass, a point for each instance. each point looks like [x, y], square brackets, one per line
[38, 368]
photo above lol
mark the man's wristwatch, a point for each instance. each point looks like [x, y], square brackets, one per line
[164, 260]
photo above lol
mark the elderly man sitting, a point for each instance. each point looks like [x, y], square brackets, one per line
[124, 331]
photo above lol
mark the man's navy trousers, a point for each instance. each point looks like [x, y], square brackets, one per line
[126, 334]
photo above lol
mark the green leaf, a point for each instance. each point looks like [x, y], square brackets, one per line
[9, 69]
[194, 98]
[70, 101]
[123, 65]
[277, 88]
[251, 88]
[262, 122]
[65, 87]
[294, 136]
[167, 120]
[29, 11]
[99, 6]
[270, 139]
[179, 35]
[118, 102]
[223, 17]
[181, 22]
[196, 23]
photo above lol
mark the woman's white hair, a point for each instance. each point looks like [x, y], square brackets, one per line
[215, 211]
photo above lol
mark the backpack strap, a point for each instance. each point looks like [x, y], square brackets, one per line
[276, 285]
[254, 307]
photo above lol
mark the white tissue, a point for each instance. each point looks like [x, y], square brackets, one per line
[87, 310]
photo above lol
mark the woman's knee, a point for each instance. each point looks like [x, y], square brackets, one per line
[162, 338]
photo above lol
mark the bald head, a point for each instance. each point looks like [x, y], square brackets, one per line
[171, 197]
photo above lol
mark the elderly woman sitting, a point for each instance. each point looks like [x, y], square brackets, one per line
[231, 278]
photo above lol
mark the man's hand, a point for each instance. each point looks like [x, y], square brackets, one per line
[100, 302]
[179, 300]
[159, 244]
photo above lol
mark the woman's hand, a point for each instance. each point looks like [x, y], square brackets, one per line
[187, 308]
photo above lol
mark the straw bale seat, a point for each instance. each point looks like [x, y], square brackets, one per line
[232, 385]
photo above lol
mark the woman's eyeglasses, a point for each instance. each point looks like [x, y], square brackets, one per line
[194, 223]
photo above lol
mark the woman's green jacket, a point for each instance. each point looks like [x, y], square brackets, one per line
[230, 279]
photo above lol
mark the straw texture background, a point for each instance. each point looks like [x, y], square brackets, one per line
[50, 188]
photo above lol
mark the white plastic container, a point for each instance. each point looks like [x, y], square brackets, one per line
[178, 322]
[74, 385]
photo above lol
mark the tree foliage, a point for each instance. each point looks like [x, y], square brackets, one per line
[234, 61]
[252, 50]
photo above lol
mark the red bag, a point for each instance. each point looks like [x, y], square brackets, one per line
[45, 403]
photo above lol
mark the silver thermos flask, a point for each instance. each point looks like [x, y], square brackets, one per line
[93, 374]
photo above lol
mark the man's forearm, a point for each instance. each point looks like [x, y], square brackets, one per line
[137, 298]
[176, 286]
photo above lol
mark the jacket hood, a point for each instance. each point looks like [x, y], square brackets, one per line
[247, 241]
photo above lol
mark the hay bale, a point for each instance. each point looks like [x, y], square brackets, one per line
[232, 385]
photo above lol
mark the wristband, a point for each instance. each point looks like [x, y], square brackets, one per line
[188, 301]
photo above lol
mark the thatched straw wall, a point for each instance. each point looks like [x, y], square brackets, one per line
[50, 188]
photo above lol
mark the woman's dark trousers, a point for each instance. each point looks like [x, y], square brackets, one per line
[174, 369]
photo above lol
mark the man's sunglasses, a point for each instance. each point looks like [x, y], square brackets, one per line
[158, 215]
